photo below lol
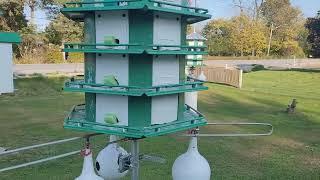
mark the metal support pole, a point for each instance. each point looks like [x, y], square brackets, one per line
[135, 160]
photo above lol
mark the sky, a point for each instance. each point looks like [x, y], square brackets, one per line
[224, 8]
[217, 8]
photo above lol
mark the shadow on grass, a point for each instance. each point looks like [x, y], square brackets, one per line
[279, 155]
[255, 109]
[300, 70]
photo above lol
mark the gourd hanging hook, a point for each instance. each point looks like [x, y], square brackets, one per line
[87, 150]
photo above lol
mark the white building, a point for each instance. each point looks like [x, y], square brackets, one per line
[6, 64]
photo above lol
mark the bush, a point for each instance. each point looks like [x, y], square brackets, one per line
[258, 67]
[51, 54]
[54, 55]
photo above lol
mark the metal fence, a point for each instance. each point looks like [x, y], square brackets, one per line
[223, 75]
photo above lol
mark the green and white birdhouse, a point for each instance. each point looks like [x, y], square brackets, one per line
[6, 64]
[196, 41]
[135, 58]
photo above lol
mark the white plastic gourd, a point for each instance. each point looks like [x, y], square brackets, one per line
[107, 161]
[191, 165]
[88, 169]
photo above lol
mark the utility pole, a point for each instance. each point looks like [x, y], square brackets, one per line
[135, 160]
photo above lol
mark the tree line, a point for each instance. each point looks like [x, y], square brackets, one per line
[262, 28]
[46, 45]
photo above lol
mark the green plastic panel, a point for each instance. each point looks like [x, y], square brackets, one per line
[76, 120]
[9, 37]
[140, 67]
[76, 10]
[90, 65]
[182, 74]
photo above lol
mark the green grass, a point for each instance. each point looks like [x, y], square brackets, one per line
[250, 57]
[35, 114]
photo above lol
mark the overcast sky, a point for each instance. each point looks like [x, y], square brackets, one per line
[218, 9]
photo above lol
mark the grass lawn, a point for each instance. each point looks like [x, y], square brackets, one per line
[36, 112]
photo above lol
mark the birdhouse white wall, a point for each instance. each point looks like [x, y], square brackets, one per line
[6, 68]
[112, 104]
[167, 29]
[112, 23]
[165, 70]
[164, 109]
[116, 65]
[112, 64]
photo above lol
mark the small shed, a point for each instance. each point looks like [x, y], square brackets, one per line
[6, 64]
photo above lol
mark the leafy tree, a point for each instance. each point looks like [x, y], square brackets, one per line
[61, 29]
[247, 36]
[217, 33]
[52, 6]
[190, 29]
[313, 25]
[13, 18]
[280, 16]
[241, 35]
[32, 41]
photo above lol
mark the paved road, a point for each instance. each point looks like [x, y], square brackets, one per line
[28, 69]
[289, 63]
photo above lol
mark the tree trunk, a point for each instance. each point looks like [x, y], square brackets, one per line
[32, 15]
[32, 5]
[270, 39]
[257, 8]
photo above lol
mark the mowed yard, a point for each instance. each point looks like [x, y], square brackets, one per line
[35, 114]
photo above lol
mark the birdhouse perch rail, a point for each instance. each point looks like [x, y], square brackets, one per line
[82, 86]
[270, 132]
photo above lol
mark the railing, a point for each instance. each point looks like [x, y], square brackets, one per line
[177, 47]
[230, 76]
[97, 45]
[135, 49]
[80, 85]
[102, 48]
[179, 50]
[137, 4]
[101, 2]
[77, 120]
[173, 5]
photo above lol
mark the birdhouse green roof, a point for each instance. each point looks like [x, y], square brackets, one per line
[9, 37]
[77, 10]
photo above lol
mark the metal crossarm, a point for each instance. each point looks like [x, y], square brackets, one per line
[270, 132]
[38, 146]
[52, 157]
